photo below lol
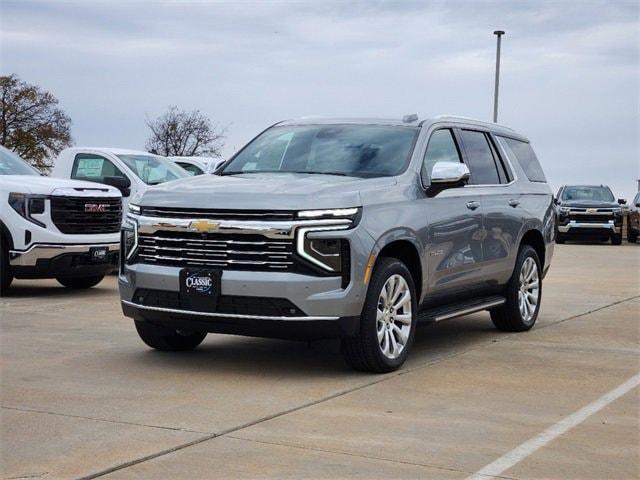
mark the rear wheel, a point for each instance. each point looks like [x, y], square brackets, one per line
[163, 338]
[523, 294]
[388, 320]
[5, 270]
[616, 239]
[79, 283]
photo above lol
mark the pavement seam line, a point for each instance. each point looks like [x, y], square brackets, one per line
[527, 448]
[81, 417]
[350, 454]
[324, 399]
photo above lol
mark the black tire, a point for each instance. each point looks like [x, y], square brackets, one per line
[616, 239]
[166, 339]
[5, 271]
[364, 351]
[632, 237]
[79, 283]
[560, 239]
[508, 317]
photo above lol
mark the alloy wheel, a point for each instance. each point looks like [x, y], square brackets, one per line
[394, 316]
[529, 291]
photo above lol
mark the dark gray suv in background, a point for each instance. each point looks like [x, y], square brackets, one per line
[351, 228]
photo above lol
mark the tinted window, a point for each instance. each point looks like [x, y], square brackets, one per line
[358, 150]
[441, 148]
[479, 158]
[192, 169]
[599, 194]
[93, 168]
[525, 155]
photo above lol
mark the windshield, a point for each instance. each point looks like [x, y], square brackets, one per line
[12, 164]
[599, 194]
[354, 150]
[152, 169]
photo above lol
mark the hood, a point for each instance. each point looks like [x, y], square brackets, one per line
[38, 185]
[263, 191]
[588, 204]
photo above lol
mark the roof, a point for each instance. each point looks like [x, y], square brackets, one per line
[494, 127]
[115, 151]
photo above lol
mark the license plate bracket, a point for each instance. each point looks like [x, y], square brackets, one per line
[98, 254]
[200, 288]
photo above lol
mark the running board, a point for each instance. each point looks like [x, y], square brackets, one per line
[459, 309]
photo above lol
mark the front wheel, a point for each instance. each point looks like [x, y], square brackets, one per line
[163, 338]
[80, 283]
[5, 271]
[523, 294]
[616, 239]
[387, 322]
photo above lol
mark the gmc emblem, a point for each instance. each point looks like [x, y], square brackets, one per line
[95, 207]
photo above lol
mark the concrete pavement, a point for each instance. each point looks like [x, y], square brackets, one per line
[82, 396]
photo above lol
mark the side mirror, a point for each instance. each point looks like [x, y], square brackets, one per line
[121, 183]
[556, 201]
[622, 201]
[450, 174]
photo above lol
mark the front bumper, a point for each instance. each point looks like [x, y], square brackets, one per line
[62, 260]
[574, 226]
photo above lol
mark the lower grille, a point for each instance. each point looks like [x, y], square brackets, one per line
[585, 218]
[231, 304]
[86, 215]
[232, 252]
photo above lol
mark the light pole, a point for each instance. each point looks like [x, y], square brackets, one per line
[499, 34]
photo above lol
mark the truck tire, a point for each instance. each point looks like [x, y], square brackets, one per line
[166, 339]
[79, 283]
[616, 239]
[560, 239]
[5, 271]
[388, 320]
[632, 237]
[523, 294]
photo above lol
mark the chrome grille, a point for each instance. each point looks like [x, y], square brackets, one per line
[234, 252]
[218, 214]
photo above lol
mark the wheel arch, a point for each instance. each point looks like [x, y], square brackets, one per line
[5, 235]
[407, 251]
[535, 240]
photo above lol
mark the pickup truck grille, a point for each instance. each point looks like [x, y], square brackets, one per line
[231, 252]
[218, 214]
[586, 218]
[86, 215]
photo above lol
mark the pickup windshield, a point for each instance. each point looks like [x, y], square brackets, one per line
[12, 164]
[353, 150]
[599, 194]
[152, 169]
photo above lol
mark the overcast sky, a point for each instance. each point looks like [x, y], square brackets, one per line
[570, 71]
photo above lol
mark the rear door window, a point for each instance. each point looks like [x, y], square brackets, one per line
[192, 169]
[479, 158]
[526, 157]
[94, 168]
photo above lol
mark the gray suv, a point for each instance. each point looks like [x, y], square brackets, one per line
[350, 228]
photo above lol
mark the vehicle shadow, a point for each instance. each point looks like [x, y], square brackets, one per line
[276, 358]
[39, 289]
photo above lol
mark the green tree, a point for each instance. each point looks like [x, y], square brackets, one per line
[31, 123]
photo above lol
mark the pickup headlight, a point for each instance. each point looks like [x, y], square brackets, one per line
[135, 209]
[128, 241]
[564, 210]
[350, 213]
[26, 205]
[617, 211]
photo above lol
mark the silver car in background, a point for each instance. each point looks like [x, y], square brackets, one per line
[350, 228]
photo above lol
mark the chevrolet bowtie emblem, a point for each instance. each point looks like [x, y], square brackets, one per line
[592, 210]
[204, 226]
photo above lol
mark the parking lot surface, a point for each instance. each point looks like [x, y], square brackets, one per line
[82, 397]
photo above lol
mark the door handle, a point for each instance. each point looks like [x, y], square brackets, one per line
[514, 203]
[472, 205]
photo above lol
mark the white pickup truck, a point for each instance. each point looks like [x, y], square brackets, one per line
[54, 228]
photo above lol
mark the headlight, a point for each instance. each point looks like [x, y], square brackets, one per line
[135, 209]
[617, 211]
[26, 205]
[564, 210]
[128, 241]
[331, 213]
[326, 253]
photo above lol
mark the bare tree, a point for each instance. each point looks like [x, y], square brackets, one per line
[31, 124]
[181, 133]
